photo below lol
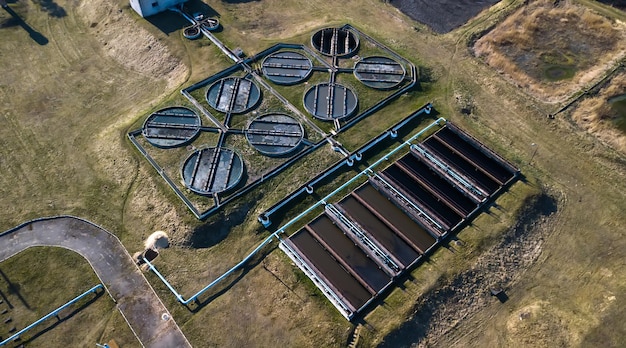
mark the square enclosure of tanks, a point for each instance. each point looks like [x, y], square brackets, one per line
[254, 119]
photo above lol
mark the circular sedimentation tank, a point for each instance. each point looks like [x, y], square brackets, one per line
[210, 24]
[379, 72]
[335, 42]
[233, 95]
[192, 32]
[275, 134]
[286, 67]
[212, 170]
[171, 127]
[329, 102]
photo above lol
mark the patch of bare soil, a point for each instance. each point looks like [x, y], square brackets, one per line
[539, 325]
[596, 115]
[443, 308]
[129, 44]
[443, 15]
[553, 48]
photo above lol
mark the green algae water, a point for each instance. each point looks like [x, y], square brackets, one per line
[618, 104]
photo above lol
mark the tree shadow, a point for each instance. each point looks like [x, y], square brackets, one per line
[9, 22]
[52, 8]
[426, 74]
[34, 34]
[217, 230]
[14, 289]
[5, 299]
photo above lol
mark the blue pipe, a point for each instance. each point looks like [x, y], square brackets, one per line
[169, 286]
[367, 171]
[209, 36]
[51, 314]
[264, 217]
[219, 279]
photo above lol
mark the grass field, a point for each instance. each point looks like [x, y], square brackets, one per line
[551, 49]
[603, 112]
[66, 106]
[21, 288]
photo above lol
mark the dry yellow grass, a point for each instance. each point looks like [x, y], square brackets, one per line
[596, 115]
[134, 48]
[553, 51]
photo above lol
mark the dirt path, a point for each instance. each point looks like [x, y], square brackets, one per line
[136, 300]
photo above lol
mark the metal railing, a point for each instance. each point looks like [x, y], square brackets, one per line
[409, 203]
[54, 313]
[473, 189]
[381, 254]
[282, 229]
[216, 281]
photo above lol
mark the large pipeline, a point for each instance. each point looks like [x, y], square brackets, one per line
[368, 172]
[54, 313]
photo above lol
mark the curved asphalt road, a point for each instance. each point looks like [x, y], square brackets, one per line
[135, 298]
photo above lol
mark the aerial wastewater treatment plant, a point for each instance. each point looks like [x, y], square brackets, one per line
[366, 237]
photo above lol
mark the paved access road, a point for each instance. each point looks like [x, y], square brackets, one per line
[134, 296]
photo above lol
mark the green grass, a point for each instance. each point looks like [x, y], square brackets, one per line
[559, 72]
[619, 106]
[61, 275]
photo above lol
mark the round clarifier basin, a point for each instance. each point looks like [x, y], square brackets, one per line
[233, 95]
[335, 42]
[192, 32]
[210, 23]
[171, 127]
[212, 170]
[275, 134]
[379, 72]
[330, 102]
[286, 67]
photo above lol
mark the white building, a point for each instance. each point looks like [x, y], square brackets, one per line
[147, 8]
